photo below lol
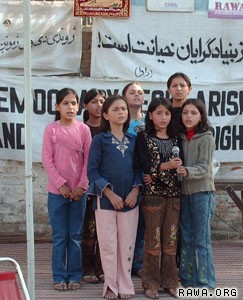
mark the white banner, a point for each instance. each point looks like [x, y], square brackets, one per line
[154, 46]
[224, 106]
[56, 38]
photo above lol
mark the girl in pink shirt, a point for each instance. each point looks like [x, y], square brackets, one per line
[65, 152]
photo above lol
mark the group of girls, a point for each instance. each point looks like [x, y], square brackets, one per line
[133, 185]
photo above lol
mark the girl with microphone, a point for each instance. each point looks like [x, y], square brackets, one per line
[161, 203]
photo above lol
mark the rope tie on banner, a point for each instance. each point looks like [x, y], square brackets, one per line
[239, 231]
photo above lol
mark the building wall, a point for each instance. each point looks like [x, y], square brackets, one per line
[12, 198]
[13, 213]
[86, 54]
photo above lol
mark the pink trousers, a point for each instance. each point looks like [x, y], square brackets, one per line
[116, 235]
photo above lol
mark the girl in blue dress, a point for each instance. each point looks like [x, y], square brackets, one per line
[115, 180]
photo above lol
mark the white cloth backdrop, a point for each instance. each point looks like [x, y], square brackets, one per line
[150, 46]
[55, 34]
[224, 105]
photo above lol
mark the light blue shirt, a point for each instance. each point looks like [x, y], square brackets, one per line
[136, 126]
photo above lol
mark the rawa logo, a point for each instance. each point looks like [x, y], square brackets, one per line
[234, 6]
[170, 4]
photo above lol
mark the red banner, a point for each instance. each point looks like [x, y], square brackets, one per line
[102, 8]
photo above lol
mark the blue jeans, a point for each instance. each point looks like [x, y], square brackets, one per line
[196, 259]
[66, 219]
[137, 264]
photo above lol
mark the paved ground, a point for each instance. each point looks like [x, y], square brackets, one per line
[228, 257]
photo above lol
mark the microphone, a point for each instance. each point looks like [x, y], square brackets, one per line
[176, 151]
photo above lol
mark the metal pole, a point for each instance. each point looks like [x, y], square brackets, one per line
[28, 149]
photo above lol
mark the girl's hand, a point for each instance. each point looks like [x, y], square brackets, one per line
[76, 194]
[65, 191]
[182, 170]
[131, 198]
[147, 179]
[174, 163]
[115, 200]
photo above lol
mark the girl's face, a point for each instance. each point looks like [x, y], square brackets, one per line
[179, 89]
[190, 116]
[134, 95]
[161, 117]
[68, 109]
[94, 106]
[117, 113]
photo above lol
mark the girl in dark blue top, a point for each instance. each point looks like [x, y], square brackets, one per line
[115, 180]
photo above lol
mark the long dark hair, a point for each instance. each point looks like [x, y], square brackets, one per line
[90, 95]
[105, 124]
[149, 125]
[203, 125]
[179, 74]
[61, 94]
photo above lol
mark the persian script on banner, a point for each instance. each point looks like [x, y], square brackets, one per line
[232, 9]
[209, 49]
[55, 34]
[104, 8]
[175, 5]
